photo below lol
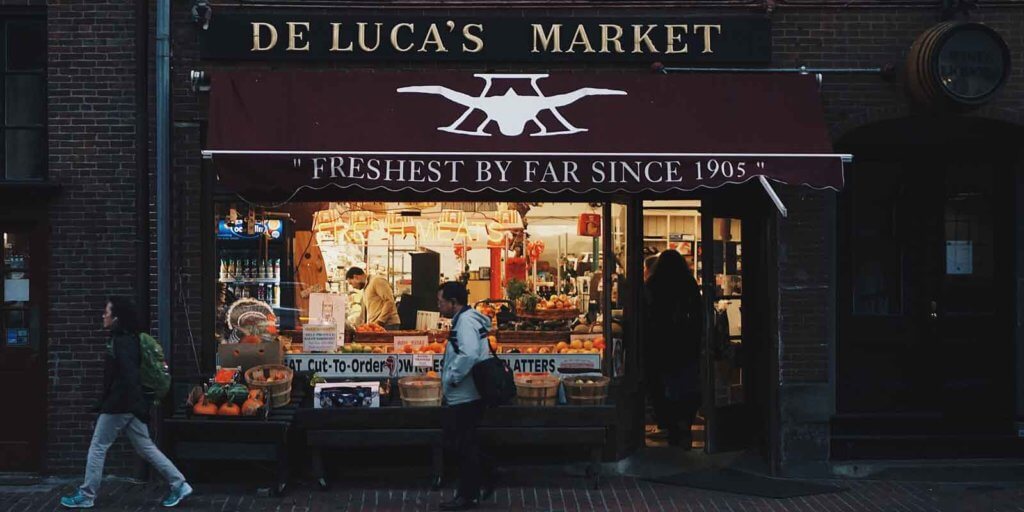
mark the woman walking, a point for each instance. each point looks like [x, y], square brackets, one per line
[123, 407]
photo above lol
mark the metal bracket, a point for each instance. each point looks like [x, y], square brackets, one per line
[775, 197]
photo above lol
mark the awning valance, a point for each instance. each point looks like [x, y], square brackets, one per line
[278, 132]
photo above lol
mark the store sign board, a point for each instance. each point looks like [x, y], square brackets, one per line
[515, 37]
[401, 365]
[463, 132]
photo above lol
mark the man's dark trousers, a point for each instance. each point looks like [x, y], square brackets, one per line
[461, 429]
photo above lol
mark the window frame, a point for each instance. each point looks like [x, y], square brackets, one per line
[6, 19]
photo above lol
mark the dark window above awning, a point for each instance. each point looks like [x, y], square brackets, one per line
[455, 131]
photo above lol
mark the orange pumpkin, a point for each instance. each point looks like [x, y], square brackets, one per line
[256, 394]
[229, 409]
[204, 408]
[251, 406]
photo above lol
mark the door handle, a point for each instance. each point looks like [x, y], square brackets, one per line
[934, 315]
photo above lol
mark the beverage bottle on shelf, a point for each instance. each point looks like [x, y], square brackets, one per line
[266, 269]
[277, 294]
[277, 269]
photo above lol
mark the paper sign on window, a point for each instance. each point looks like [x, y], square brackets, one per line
[959, 257]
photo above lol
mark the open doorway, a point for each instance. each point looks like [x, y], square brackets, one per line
[732, 360]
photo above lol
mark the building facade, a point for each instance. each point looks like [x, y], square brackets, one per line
[898, 299]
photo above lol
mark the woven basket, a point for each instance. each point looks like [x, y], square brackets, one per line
[583, 393]
[279, 392]
[536, 390]
[420, 391]
[532, 336]
[549, 314]
[383, 337]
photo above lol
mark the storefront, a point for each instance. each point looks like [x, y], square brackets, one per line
[543, 191]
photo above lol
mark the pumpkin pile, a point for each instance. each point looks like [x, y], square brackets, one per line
[225, 396]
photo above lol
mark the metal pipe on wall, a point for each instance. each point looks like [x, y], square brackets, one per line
[163, 174]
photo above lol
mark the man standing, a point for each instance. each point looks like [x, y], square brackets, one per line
[378, 299]
[464, 409]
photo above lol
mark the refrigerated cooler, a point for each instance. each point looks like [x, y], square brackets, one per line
[255, 260]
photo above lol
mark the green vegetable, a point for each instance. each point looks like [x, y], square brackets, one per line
[216, 394]
[516, 288]
[237, 394]
[529, 301]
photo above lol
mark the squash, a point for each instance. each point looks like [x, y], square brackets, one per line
[216, 394]
[237, 394]
[251, 406]
[256, 393]
[251, 338]
[229, 409]
[204, 407]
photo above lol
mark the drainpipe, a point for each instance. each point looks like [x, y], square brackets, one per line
[142, 161]
[163, 175]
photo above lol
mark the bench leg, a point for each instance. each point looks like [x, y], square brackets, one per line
[318, 468]
[282, 468]
[594, 468]
[437, 459]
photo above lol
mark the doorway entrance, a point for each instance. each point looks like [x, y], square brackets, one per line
[926, 297]
[22, 350]
[716, 242]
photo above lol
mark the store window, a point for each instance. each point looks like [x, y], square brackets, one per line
[23, 65]
[370, 271]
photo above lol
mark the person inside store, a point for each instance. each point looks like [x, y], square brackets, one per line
[378, 299]
[463, 409]
[123, 407]
[674, 317]
[652, 377]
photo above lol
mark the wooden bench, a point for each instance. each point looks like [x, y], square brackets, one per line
[204, 438]
[590, 426]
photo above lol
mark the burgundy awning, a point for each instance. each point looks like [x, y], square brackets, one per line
[278, 132]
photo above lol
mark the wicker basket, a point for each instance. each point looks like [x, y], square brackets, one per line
[591, 391]
[279, 392]
[540, 337]
[383, 337]
[549, 314]
[420, 391]
[537, 390]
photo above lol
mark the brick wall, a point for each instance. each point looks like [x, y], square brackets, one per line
[91, 156]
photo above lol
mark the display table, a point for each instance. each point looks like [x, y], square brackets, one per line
[394, 426]
[199, 438]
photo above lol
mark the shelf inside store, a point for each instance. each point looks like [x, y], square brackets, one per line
[257, 280]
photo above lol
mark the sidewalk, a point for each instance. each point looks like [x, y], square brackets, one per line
[547, 488]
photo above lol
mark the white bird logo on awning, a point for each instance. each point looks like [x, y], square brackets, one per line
[511, 111]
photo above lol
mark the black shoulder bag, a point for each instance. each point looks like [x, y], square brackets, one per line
[494, 380]
[493, 377]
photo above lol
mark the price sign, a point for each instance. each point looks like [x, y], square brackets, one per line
[415, 341]
[319, 338]
[423, 361]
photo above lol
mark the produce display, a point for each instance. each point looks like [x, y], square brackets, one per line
[370, 328]
[226, 396]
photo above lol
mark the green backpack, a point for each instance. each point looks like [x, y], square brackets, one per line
[153, 372]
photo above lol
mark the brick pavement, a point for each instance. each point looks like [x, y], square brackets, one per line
[541, 489]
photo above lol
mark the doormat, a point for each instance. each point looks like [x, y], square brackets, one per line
[739, 482]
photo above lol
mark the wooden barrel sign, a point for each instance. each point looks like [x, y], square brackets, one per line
[957, 64]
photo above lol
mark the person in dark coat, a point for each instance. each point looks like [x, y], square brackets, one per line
[123, 407]
[674, 316]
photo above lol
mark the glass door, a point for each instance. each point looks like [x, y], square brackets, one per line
[725, 366]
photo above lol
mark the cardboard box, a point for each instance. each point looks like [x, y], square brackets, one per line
[247, 355]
